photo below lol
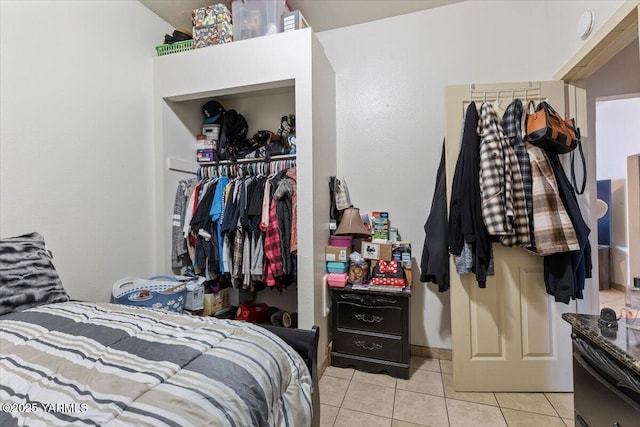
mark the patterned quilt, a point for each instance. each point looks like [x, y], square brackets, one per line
[113, 365]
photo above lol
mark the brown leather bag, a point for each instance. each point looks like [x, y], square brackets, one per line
[547, 129]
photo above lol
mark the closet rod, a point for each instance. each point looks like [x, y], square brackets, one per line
[251, 160]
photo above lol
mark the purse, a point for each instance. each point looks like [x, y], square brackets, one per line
[343, 200]
[547, 129]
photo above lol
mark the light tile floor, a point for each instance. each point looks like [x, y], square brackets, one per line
[350, 398]
[612, 298]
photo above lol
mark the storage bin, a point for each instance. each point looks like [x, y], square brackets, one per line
[160, 294]
[166, 49]
[211, 25]
[216, 301]
[342, 241]
[337, 280]
[337, 267]
[255, 18]
[195, 296]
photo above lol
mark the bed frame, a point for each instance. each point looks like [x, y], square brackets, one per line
[305, 343]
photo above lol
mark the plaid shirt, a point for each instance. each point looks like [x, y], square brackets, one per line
[554, 231]
[512, 125]
[272, 250]
[504, 209]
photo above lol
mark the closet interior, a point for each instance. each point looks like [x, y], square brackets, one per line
[252, 77]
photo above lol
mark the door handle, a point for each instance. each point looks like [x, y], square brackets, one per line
[368, 318]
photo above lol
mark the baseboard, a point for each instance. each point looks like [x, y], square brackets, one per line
[415, 350]
[619, 287]
[323, 366]
[431, 352]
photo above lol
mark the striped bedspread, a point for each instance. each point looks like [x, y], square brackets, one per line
[103, 364]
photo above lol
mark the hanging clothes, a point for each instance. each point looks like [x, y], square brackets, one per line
[201, 227]
[565, 273]
[512, 125]
[434, 265]
[216, 217]
[552, 226]
[466, 223]
[503, 204]
[282, 192]
[293, 175]
[222, 223]
[179, 253]
[272, 249]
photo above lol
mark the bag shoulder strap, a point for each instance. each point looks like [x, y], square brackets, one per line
[573, 171]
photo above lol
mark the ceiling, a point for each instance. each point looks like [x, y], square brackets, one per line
[320, 14]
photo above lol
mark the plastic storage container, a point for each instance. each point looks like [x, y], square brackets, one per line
[255, 18]
[342, 241]
[337, 280]
[632, 303]
[337, 267]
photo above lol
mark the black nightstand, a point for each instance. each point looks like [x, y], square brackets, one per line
[371, 330]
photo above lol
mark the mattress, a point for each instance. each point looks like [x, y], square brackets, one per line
[114, 365]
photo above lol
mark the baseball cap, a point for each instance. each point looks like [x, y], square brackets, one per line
[213, 112]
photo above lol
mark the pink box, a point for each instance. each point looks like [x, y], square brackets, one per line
[341, 241]
[337, 280]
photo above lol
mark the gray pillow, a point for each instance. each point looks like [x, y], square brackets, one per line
[27, 276]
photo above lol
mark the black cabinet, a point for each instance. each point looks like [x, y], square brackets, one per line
[605, 393]
[371, 331]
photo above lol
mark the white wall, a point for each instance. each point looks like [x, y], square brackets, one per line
[77, 103]
[617, 134]
[76, 135]
[390, 81]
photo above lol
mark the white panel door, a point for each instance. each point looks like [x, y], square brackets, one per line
[510, 335]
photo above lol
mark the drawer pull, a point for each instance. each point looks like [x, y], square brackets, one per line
[384, 300]
[368, 318]
[372, 346]
[357, 298]
[367, 299]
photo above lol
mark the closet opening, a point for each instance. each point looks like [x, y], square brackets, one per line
[617, 151]
[263, 107]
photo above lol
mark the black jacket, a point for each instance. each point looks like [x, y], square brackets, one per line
[434, 265]
[465, 211]
[565, 273]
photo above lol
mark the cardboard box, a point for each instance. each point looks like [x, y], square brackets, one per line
[401, 251]
[372, 250]
[205, 155]
[293, 21]
[337, 253]
[211, 132]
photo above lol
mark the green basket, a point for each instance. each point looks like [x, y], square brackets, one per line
[166, 49]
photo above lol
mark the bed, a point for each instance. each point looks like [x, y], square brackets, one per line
[114, 365]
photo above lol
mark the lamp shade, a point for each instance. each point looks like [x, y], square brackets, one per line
[351, 223]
